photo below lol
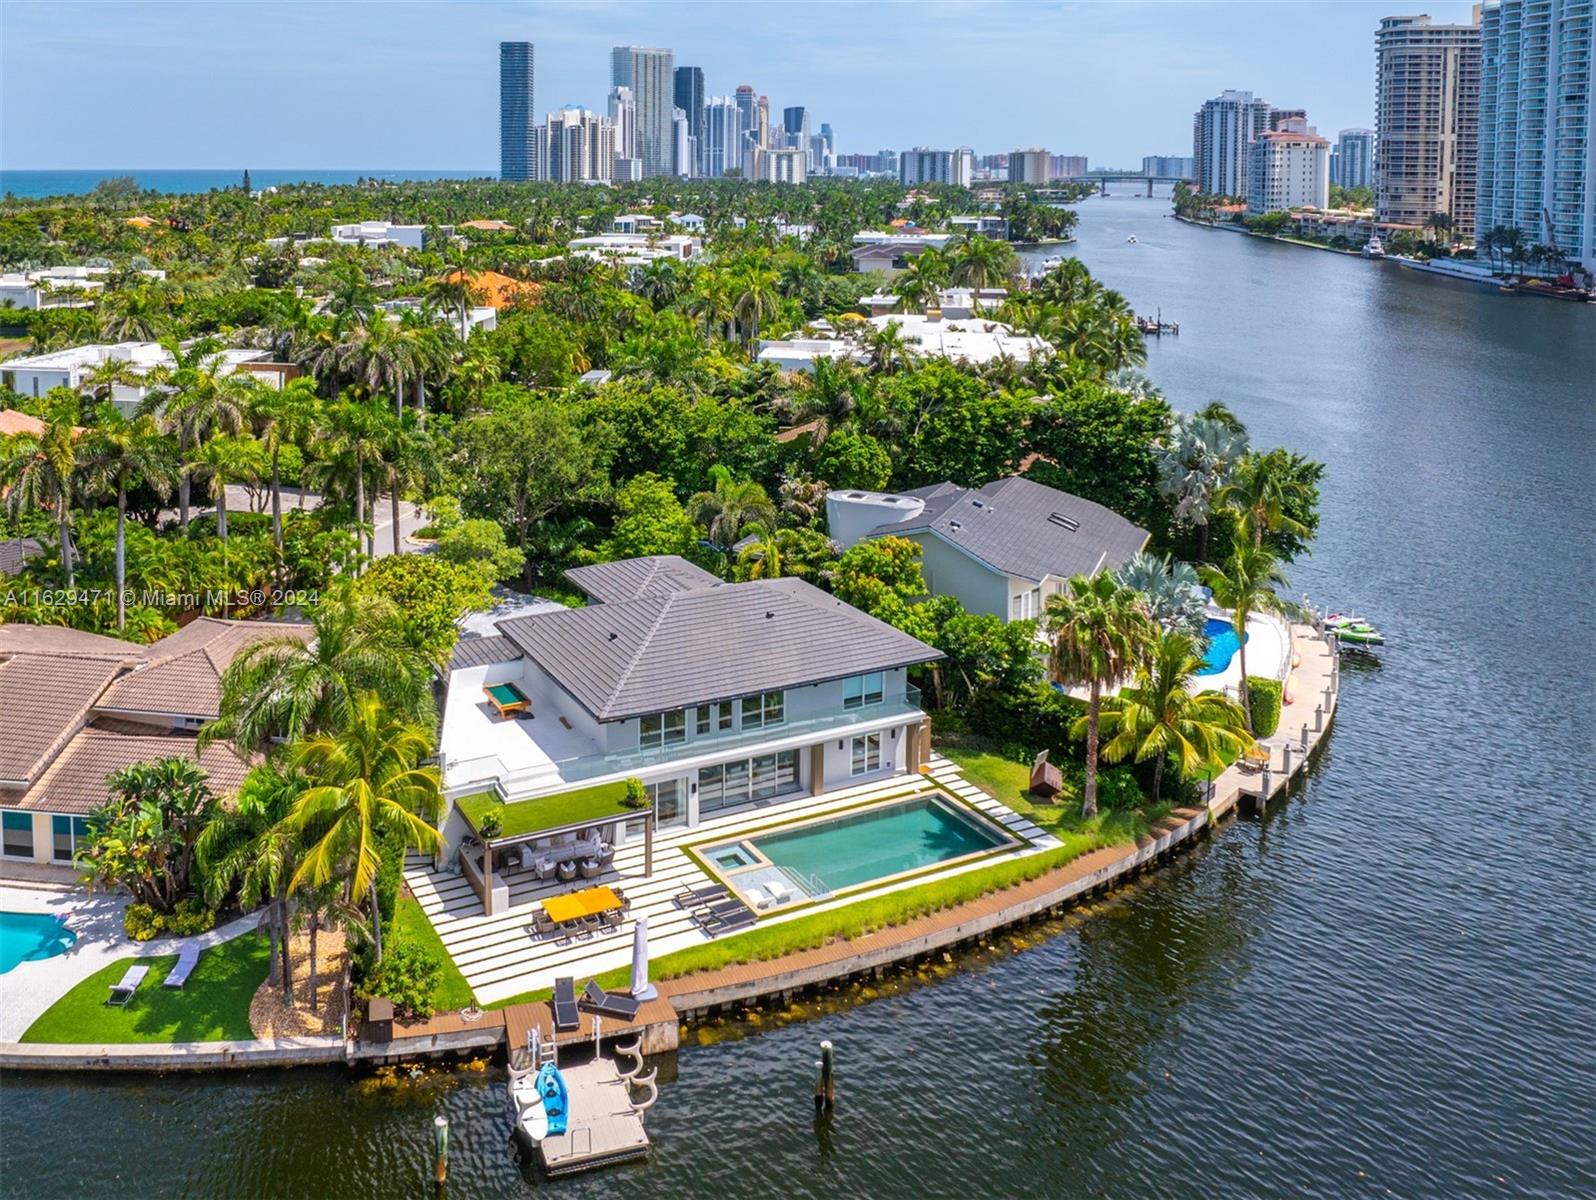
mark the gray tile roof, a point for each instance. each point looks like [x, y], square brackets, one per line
[483, 651]
[629, 578]
[15, 552]
[1024, 529]
[629, 657]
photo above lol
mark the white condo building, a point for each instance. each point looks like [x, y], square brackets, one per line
[723, 136]
[1354, 157]
[1427, 106]
[937, 166]
[1535, 123]
[1288, 169]
[1223, 131]
[581, 147]
[651, 76]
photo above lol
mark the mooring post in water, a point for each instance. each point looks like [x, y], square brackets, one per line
[828, 1073]
[820, 1086]
[1305, 737]
[1285, 759]
[1318, 717]
[1327, 698]
[440, 1147]
[1268, 788]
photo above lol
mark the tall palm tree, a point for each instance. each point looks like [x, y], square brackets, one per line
[757, 299]
[283, 417]
[290, 687]
[1169, 589]
[983, 262]
[1263, 490]
[249, 846]
[352, 301]
[888, 351]
[1158, 716]
[1100, 632]
[103, 380]
[135, 315]
[1245, 584]
[121, 454]
[38, 471]
[194, 396]
[366, 781]
[221, 461]
[355, 443]
[729, 506]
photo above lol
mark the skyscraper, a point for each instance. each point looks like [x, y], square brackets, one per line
[517, 142]
[684, 146]
[689, 97]
[936, 166]
[1354, 158]
[1222, 133]
[722, 147]
[1535, 123]
[650, 73]
[623, 116]
[1288, 168]
[1427, 108]
[762, 120]
[747, 105]
[795, 121]
[1028, 166]
[581, 146]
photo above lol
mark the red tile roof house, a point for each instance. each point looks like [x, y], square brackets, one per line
[76, 707]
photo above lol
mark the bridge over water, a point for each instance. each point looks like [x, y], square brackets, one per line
[1105, 178]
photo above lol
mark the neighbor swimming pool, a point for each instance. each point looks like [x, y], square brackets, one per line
[826, 856]
[27, 937]
[1222, 646]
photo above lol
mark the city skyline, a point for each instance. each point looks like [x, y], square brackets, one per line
[430, 68]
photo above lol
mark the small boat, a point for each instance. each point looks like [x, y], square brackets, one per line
[1349, 627]
[530, 1116]
[1049, 263]
[1131, 239]
[1373, 247]
[551, 1090]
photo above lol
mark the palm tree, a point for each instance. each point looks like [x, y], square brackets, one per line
[224, 460]
[367, 781]
[290, 687]
[283, 417]
[1195, 466]
[1169, 590]
[123, 453]
[982, 262]
[352, 300]
[251, 847]
[888, 351]
[1159, 716]
[1100, 631]
[1245, 584]
[355, 433]
[101, 382]
[761, 558]
[37, 471]
[757, 299]
[194, 396]
[1263, 490]
[135, 315]
[729, 506]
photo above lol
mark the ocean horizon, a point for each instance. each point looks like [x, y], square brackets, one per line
[181, 181]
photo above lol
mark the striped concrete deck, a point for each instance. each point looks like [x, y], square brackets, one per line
[500, 957]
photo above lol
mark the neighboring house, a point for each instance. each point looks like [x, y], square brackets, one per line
[382, 233]
[971, 340]
[1001, 549]
[37, 374]
[637, 249]
[715, 695]
[15, 552]
[76, 707]
[889, 252]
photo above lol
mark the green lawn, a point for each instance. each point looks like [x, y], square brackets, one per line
[411, 924]
[213, 1006]
[1007, 781]
[600, 802]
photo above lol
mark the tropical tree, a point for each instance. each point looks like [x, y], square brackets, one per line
[729, 506]
[888, 351]
[123, 454]
[982, 262]
[283, 417]
[1100, 632]
[143, 837]
[1265, 489]
[224, 460]
[195, 395]
[38, 470]
[756, 299]
[761, 558]
[1244, 584]
[1158, 717]
[1170, 591]
[1196, 463]
[366, 783]
[134, 315]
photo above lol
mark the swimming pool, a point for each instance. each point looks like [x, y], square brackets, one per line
[27, 937]
[821, 857]
[1222, 646]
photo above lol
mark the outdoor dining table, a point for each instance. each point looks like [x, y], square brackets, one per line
[573, 906]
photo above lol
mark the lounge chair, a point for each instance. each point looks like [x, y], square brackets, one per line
[611, 1004]
[566, 1017]
[187, 960]
[694, 897]
[122, 992]
[731, 922]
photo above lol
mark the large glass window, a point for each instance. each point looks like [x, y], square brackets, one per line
[67, 832]
[18, 834]
[737, 782]
[662, 729]
[765, 709]
[861, 690]
[866, 754]
[713, 718]
[667, 801]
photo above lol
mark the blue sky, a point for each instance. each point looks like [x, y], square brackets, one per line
[386, 85]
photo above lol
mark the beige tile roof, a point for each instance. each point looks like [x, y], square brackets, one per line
[59, 640]
[75, 782]
[44, 700]
[182, 674]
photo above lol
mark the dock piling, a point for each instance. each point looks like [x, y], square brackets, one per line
[440, 1147]
[1318, 718]
[1305, 737]
[820, 1087]
[828, 1074]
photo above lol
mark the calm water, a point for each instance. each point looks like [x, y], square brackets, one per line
[1381, 990]
[78, 183]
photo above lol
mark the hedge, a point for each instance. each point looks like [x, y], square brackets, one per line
[1264, 695]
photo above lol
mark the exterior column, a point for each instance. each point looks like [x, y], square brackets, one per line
[648, 845]
[487, 878]
[817, 768]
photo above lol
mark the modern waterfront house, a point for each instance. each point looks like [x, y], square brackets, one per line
[76, 707]
[36, 374]
[970, 339]
[714, 695]
[1000, 549]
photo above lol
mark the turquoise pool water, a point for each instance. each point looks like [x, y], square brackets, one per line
[859, 847]
[1222, 646]
[26, 937]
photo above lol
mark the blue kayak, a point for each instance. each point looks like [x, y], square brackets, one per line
[551, 1086]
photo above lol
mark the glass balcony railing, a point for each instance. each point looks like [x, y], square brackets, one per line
[551, 776]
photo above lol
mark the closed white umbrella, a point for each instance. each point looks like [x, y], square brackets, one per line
[642, 989]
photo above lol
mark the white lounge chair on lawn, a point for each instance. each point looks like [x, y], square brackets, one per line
[122, 992]
[187, 960]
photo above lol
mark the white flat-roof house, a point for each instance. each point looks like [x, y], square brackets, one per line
[480, 316]
[972, 340]
[638, 249]
[992, 225]
[384, 233]
[37, 374]
[1000, 549]
[714, 694]
[58, 287]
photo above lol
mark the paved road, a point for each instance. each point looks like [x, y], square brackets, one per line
[411, 519]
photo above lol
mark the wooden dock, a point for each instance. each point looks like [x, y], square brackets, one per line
[656, 1025]
[603, 1127]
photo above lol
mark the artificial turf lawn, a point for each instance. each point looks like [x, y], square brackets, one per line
[411, 924]
[604, 801]
[213, 1006]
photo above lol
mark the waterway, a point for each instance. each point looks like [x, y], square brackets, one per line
[1382, 989]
